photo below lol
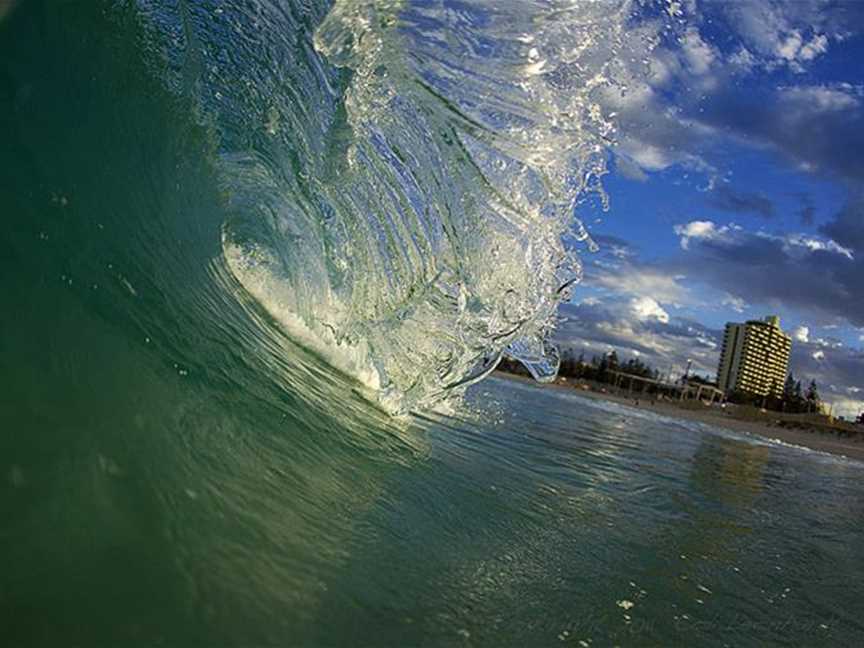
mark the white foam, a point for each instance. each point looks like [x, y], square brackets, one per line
[274, 296]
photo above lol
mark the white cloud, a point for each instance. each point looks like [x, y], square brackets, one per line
[813, 244]
[616, 325]
[788, 49]
[647, 308]
[654, 133]
[743, 59]
[801, 334]
[828, 343]
[735, 303]
[623, 332]
[629, 169]
[818, 355]
[819, 99]
[664, 67]
[704, 341]
[654, 157]
[704, 230]
[792, 243]
[795, 49]
[696, 229]
[636, 280]
[698, 54]
[648, 156]
[818, 45]
[778, 31]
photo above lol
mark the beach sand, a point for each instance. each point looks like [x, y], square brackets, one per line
[823, 442]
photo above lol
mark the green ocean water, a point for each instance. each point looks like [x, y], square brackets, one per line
[181, 467]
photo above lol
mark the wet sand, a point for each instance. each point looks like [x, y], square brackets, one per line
[823, 442]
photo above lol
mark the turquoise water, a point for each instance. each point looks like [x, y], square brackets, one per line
[240, 242]
[536, 518]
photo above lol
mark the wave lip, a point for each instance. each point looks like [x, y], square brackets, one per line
[407, 201]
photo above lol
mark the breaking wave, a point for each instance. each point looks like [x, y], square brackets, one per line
[400, 176]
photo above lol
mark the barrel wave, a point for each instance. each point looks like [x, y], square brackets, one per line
[399, 177]
[237, 237]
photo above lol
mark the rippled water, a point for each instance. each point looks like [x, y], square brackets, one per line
[237, 236]
[536, 518]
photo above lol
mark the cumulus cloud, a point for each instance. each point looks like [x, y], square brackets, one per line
[781, 34]
[795, 49]
[635, 279]
[689, 95]
[701, 230]
[680, 88]
[839, 374]
[680, 91]
[615, 324]
[742, 267]
[801, 334]
[646, 308]
[698, 53]
[817, 275]
[735, 303]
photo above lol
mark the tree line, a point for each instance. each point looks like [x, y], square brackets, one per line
[794, 397]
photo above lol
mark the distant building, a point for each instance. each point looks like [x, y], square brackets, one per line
[755, 357]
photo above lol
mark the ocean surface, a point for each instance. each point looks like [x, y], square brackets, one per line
[534, 518]
[256, 260]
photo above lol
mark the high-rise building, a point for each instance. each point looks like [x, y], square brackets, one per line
[755, 357]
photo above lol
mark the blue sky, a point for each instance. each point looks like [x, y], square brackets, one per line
[736, 189]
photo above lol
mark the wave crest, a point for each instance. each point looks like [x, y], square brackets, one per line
[399, 187]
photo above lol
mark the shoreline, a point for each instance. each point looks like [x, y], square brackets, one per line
[812, 440]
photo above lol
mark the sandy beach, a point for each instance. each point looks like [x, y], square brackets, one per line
[824, 442]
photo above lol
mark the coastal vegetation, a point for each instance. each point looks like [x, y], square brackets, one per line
[793, 406]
